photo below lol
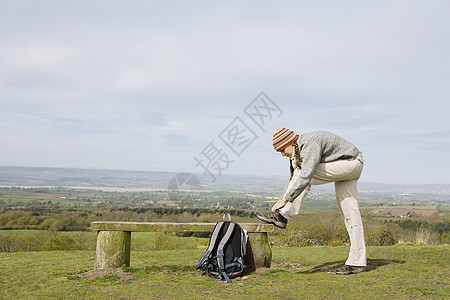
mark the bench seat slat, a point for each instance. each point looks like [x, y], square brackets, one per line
[171, 227]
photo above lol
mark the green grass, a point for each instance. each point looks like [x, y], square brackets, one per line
[140, 241]
[20, 233]
[395, 272]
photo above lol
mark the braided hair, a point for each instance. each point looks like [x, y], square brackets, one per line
[297, 158]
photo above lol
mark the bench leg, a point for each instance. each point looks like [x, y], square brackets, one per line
[113, 249]
[259, 254]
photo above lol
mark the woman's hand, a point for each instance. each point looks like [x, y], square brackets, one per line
[279, 205]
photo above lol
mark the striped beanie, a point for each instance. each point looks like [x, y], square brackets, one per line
[282, 138]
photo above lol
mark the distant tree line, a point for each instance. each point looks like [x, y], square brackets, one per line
[167, 211]
[317, 228]
[74, 220]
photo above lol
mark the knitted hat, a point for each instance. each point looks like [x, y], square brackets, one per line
[282, 138]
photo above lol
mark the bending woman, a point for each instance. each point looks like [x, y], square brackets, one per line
[317, 158]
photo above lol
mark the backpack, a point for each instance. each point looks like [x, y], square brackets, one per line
[225, 256]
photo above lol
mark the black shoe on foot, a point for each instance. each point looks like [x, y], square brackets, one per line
[347, 270]
[273, 218]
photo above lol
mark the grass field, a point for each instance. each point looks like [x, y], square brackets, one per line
[140, 241]
[395, 272]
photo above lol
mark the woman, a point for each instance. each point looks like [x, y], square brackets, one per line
[317, 158]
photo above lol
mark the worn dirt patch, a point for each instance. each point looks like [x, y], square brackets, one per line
[95, 273]
[291, 267]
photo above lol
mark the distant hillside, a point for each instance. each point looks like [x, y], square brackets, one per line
[94, 178]
[91, 178]
[28, 176]
[405, 188]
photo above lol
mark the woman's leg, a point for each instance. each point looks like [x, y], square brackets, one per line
[346, 195]
[345, 174]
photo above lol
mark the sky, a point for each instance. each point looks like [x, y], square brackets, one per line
[201, 86]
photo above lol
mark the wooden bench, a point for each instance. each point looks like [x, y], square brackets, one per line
[114, 240]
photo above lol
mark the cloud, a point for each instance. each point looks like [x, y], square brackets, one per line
[37, 57]
[145, 86]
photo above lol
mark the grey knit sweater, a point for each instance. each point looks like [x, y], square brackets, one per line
[315, 148]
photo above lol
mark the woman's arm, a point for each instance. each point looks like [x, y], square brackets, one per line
[311, 155]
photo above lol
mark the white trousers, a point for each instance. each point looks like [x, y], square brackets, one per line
[344, 174]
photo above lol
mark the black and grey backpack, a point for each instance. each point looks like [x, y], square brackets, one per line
[225, 256]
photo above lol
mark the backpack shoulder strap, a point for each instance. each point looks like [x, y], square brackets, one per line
[215, 235]
[220, 253]
[212, 243]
